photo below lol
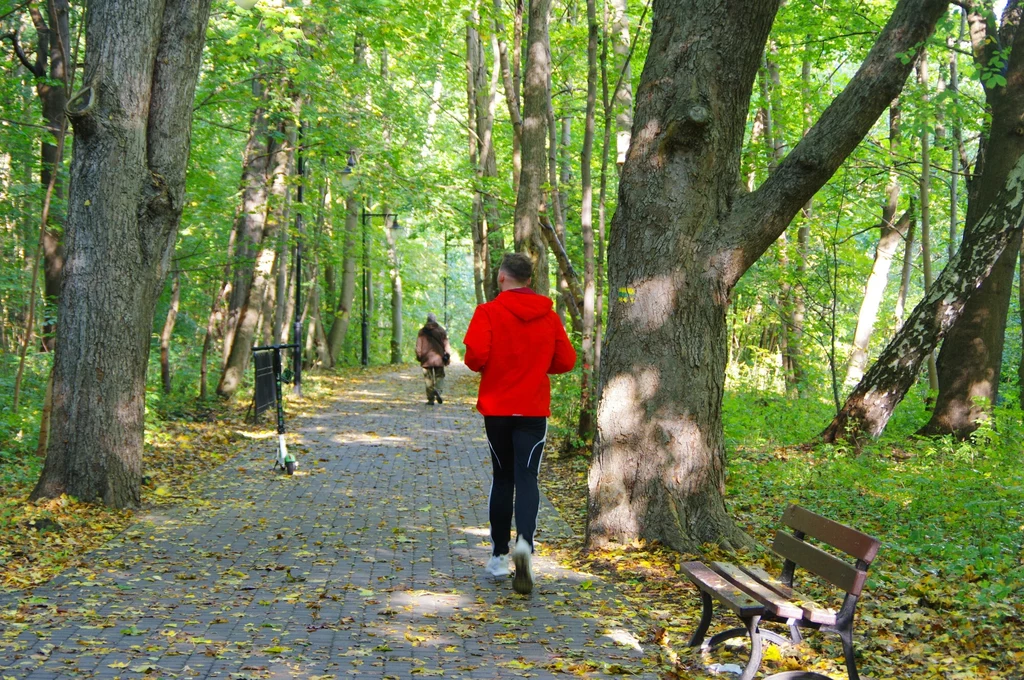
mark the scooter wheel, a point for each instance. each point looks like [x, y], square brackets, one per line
[289, 467]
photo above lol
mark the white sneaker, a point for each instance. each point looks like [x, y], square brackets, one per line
[522, 555]
[497, 566]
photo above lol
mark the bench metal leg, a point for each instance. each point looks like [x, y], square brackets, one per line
[846, 635]
[755, 648]
[751, 629]
[794, 631]
[705, 620]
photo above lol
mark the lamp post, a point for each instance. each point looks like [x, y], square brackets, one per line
[366, 218]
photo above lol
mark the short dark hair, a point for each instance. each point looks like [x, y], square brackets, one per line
[517, 266]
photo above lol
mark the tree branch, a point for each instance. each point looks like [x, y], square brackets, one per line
[13, 37]
[757, 219]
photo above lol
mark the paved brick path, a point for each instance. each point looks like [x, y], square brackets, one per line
[367, 563]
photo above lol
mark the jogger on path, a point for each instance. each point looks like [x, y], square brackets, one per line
[433, 353]
[515, 341]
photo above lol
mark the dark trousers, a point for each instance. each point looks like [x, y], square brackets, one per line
[517, 446]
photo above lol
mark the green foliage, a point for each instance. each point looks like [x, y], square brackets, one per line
[945, 507]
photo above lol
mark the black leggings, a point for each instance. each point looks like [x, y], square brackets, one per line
[517, 446]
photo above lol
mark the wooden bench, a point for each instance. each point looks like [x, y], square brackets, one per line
[756, 597]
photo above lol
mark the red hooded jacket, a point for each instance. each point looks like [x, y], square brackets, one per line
[514, 341]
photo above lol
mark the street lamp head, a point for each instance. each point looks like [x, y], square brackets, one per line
[350, 164]
[246, 4]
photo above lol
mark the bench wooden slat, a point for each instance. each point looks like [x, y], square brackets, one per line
[817, 561]
[849, 540]
[725, 592]
[812, 610]
[776, 603]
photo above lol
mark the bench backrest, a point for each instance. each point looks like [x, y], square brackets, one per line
[840, 573]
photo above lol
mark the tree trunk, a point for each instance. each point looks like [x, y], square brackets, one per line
[211, 329]
[926, 219]
[53, 93]
[127, 180]
[954, 168]
[907, 268]
[892, 234]
[168, 331]
[528, 234]
[253, 309]
[682, 237]
[279, 291]
[587, 424]
[970, 361]
[803, 242]
[251, 220]
[494, 232]
[602, 204]
[474, 52]
[510, 82]
[343, 313]
[869, 407]
[623, 97]
[1020, 306]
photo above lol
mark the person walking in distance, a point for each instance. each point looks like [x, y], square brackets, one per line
[514, 342]
[433, 352]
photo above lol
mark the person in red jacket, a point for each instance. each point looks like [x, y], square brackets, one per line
[514, 342]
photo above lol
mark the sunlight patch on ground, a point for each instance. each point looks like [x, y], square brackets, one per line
[624, 638]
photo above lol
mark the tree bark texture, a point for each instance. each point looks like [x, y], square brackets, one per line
[869, 407]
[970, 361]
[529, 237]
[132, 122]
[682, 236]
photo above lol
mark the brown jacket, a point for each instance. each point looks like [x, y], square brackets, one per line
[432, 345]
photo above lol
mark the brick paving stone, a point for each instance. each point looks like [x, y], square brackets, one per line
[367, 563]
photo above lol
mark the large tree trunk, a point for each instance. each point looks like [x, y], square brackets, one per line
[683, 236]
[127, 181]
[529, 238]
[970, 361]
